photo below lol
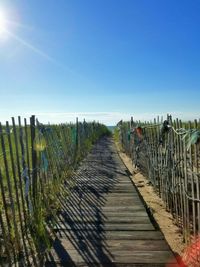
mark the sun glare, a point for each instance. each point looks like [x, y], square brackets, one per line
[2, 22]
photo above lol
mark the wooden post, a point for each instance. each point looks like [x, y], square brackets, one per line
[14, 190]
[11, 220]
[19, 168]
[131, 122]
[196, 163]
[34, 161]
[7, 232]
[77, 141]
[191, 182]
[186, 200]
[77, 135]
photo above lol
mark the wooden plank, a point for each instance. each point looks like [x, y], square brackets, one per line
[114, 235]
[112, 219]
[97, 195]
[103, 256]
[104, 227]
[133, 235]
[110, 264]
[123, 202]
[122, 195]
[124, 208]
[105, 190]
[93, 181]
[105, 201]
[114, 245]
[107, 214]
[103, 210]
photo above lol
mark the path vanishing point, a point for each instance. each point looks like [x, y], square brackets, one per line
[104, 222]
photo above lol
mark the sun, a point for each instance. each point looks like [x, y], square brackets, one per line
[2, 22]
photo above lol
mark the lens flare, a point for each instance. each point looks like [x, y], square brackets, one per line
[39, 142]
[191, 255]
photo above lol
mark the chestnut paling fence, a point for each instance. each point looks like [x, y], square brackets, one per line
[168, 153]
[36, 166]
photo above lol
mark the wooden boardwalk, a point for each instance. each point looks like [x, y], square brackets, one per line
[104, 221]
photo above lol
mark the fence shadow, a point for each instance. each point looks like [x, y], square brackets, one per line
[80, 227]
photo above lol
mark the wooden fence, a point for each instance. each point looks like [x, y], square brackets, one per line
[168, 153]
[36, 166]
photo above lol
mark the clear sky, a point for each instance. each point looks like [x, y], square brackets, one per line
[99, 59]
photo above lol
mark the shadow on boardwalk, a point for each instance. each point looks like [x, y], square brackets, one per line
[104, 222]
[80, 226]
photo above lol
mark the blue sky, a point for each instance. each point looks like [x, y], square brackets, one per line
[103, 60]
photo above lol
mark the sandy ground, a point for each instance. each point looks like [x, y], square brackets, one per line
[163, 218]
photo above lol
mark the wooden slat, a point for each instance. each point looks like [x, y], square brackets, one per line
[107, 214]
[110, 219]
[114, 235]
[104, 227]
[124, 257]
[114, 245]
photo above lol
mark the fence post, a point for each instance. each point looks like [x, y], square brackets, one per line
[34, 160]
[77, 139]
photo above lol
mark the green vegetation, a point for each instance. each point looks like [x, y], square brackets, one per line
[36, 167]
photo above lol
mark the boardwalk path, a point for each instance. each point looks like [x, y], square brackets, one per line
[104, 221]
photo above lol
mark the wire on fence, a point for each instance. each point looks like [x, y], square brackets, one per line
[168, 153]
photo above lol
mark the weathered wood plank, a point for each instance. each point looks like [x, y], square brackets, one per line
[110, 201]
[124, 208]
[112, 245]
[92, 209]
[114, 264]
[123, 202]
[104, 227]
[103, 256]
[107, 214]
[112, 235]
[110, 219]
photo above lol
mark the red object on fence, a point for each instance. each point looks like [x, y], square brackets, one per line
[139, 132]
